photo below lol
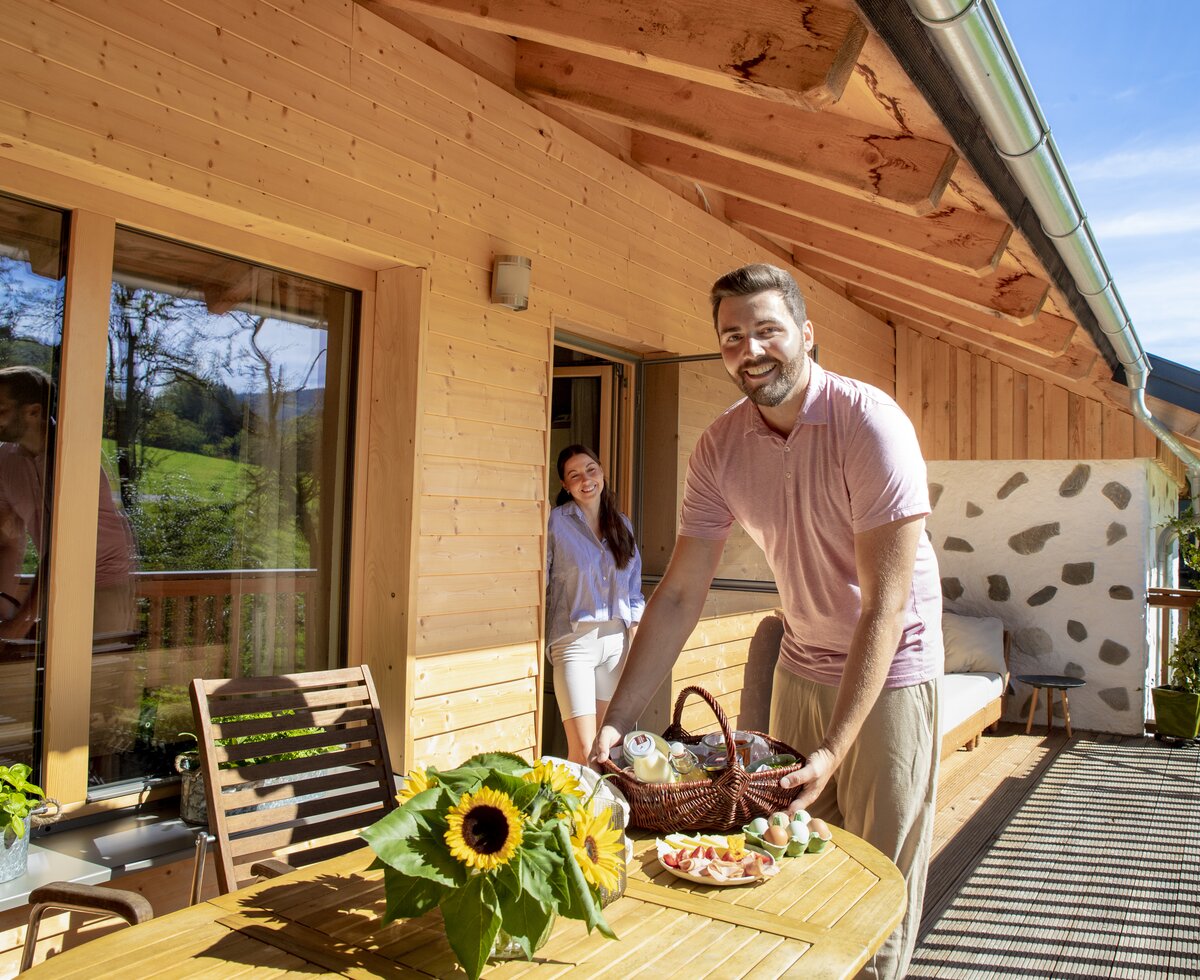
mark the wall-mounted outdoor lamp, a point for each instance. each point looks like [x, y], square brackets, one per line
[510, 281]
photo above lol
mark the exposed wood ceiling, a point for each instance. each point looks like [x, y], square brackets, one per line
[798, 121]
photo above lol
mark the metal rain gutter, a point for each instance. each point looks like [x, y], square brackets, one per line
[975, 45]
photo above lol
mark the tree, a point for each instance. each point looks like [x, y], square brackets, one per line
[151, 342]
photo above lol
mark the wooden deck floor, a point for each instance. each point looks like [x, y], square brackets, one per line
[1065, 858]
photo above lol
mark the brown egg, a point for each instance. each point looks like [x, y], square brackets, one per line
[820, 828]
[776, 835]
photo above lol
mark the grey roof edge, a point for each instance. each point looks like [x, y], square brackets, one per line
[912, 47]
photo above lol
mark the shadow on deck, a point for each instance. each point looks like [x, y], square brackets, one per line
[1063, 858]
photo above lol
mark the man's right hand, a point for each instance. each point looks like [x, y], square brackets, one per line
[606, 738]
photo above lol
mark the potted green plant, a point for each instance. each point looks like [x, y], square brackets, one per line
[193, 802]
[19, 801]
[1177, 703]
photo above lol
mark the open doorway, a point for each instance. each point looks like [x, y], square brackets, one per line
[591, 404]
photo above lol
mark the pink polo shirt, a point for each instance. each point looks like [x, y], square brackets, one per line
[852, 463]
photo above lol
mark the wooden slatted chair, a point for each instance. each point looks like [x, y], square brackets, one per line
[294, 765]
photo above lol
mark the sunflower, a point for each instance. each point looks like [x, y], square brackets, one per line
[485, 829]
[417, 781]
[560, 779]
[599, 848]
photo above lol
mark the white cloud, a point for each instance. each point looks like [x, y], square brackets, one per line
[1164, 305]
[1157, 161]
[1180, 219]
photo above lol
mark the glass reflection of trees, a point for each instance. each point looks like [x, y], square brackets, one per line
[226, 391]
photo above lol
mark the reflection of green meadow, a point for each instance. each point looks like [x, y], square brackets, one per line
[196, 512]
[208, 477]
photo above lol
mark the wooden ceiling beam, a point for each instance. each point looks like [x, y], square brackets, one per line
[1017, 295]
[957, 238]
[798, 54]
[1049, 340]
[890, 168]
[1047, 333]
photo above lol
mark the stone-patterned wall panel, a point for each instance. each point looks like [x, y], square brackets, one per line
[1061, 551]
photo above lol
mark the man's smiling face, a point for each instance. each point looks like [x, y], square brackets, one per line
[765, 351]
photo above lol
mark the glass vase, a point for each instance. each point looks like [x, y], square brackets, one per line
[507, 948]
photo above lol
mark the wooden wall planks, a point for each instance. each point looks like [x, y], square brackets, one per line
[965, 406]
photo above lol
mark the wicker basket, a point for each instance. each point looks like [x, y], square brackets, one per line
[726, 803]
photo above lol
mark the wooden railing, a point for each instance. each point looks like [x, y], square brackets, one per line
[254, 621]
[1174, 607]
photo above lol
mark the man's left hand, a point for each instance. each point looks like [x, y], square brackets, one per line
[810, 780]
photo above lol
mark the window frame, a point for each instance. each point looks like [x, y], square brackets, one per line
[93, 215]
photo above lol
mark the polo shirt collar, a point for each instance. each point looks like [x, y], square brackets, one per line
[814, 410]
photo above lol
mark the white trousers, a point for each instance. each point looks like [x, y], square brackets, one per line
[587, 665]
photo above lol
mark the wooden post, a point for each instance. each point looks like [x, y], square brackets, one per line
[387, 582]
[72, 551]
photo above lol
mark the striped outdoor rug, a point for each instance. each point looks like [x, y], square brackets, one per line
[1096, 873]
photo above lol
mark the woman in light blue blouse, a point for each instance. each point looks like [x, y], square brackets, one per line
[593, 595]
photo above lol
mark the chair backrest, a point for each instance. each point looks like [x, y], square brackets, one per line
[290, 761]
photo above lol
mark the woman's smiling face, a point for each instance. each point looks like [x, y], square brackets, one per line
[583, 479]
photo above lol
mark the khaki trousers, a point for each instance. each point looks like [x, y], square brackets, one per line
[884, 789]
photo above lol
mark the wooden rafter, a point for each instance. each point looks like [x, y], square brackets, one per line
[788, 52]
[1047, 333]
[1074, 357]
[1017, 295]
[957, 238]
[894, 169]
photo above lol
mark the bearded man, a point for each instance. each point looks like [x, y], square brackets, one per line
[826, 476]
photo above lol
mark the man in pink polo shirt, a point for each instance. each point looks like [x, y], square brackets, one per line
[826, 475]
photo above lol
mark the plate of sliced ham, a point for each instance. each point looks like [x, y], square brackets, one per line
[714, 860]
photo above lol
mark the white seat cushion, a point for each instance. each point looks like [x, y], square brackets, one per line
[964, 694]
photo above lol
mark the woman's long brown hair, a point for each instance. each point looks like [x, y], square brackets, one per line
[613, 528]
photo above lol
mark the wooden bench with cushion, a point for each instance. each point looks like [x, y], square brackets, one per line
[977, 651]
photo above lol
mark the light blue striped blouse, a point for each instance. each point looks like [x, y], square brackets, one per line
[584, 584]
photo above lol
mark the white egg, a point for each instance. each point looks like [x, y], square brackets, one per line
[758, 826]
[799, 830]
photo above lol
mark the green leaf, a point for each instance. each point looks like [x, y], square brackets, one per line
[462, 780]
[507, 878]
[17, 825]
[540, 867]
[472, 919]
[506, 762]
[407, 896]
[581, 894]
[527, 920]
[411, 843]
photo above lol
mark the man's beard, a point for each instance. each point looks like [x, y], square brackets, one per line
[774, 392]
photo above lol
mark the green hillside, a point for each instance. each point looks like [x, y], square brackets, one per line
[208, 477]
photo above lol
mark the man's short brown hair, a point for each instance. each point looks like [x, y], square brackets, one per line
[28, 385]
[759, 278]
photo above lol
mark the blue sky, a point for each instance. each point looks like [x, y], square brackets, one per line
[1116, 82]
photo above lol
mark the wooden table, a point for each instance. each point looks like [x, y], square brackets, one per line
[822, 916]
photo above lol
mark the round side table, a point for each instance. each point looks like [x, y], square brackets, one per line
[1050, 683]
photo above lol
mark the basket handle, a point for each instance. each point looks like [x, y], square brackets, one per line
[731, 756]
